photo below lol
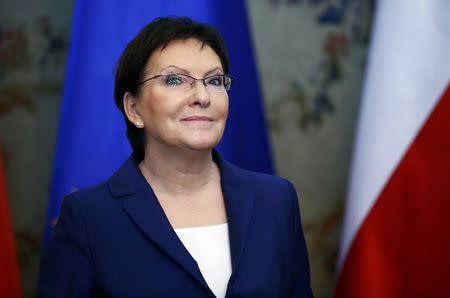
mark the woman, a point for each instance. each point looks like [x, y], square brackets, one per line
[176, 220]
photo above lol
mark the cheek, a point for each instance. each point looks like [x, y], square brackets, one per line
[158, 107]
[222, 107]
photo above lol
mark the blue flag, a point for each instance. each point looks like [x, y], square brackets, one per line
[91, 142]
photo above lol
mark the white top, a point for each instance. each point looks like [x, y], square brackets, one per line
[210, 248]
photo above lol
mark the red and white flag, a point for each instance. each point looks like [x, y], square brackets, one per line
[396, 234]
[9, 269]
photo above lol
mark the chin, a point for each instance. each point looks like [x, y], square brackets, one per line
[206, 144]
[202, 146]
[202, 140]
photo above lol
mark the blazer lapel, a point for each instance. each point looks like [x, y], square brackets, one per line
[142, 206]
[239, 199]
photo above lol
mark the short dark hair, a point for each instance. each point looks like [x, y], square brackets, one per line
[131, 64]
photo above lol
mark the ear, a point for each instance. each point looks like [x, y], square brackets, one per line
[131, 110]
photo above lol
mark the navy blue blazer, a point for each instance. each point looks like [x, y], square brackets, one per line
[114, 240]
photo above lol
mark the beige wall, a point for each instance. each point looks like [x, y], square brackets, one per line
[311, 74]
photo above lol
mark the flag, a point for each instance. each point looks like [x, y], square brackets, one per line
[91, 140]
[9, 269]
[395, 240]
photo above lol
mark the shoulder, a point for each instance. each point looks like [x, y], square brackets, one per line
[105, 193]
[270, 190]
[91, 194]
[91, 204]
[259, 180]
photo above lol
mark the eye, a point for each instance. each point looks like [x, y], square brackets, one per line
[216, 81]
[173, 80]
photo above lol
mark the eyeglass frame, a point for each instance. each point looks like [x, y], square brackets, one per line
[194, 79]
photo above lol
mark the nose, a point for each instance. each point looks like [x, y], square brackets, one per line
[200, 96]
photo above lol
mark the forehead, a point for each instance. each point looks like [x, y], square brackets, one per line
[190, 54]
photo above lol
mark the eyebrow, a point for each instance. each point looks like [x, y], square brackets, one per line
[213, 70]
[188, 72]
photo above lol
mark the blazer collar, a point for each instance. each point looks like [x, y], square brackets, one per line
[141, 204]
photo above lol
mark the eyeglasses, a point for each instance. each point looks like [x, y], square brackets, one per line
[184, 82]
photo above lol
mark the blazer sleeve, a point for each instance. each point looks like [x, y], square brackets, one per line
[66, 266]
[301, 280]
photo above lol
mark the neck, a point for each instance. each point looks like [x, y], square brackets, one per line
[178, 172]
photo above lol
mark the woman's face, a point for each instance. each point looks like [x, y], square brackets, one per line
[192, 118]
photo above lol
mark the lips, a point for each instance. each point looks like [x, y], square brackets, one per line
[197, 118]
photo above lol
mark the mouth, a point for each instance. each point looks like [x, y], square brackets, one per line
[197, 119]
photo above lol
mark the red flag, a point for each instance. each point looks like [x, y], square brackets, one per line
[9, 270]
[395, 240]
